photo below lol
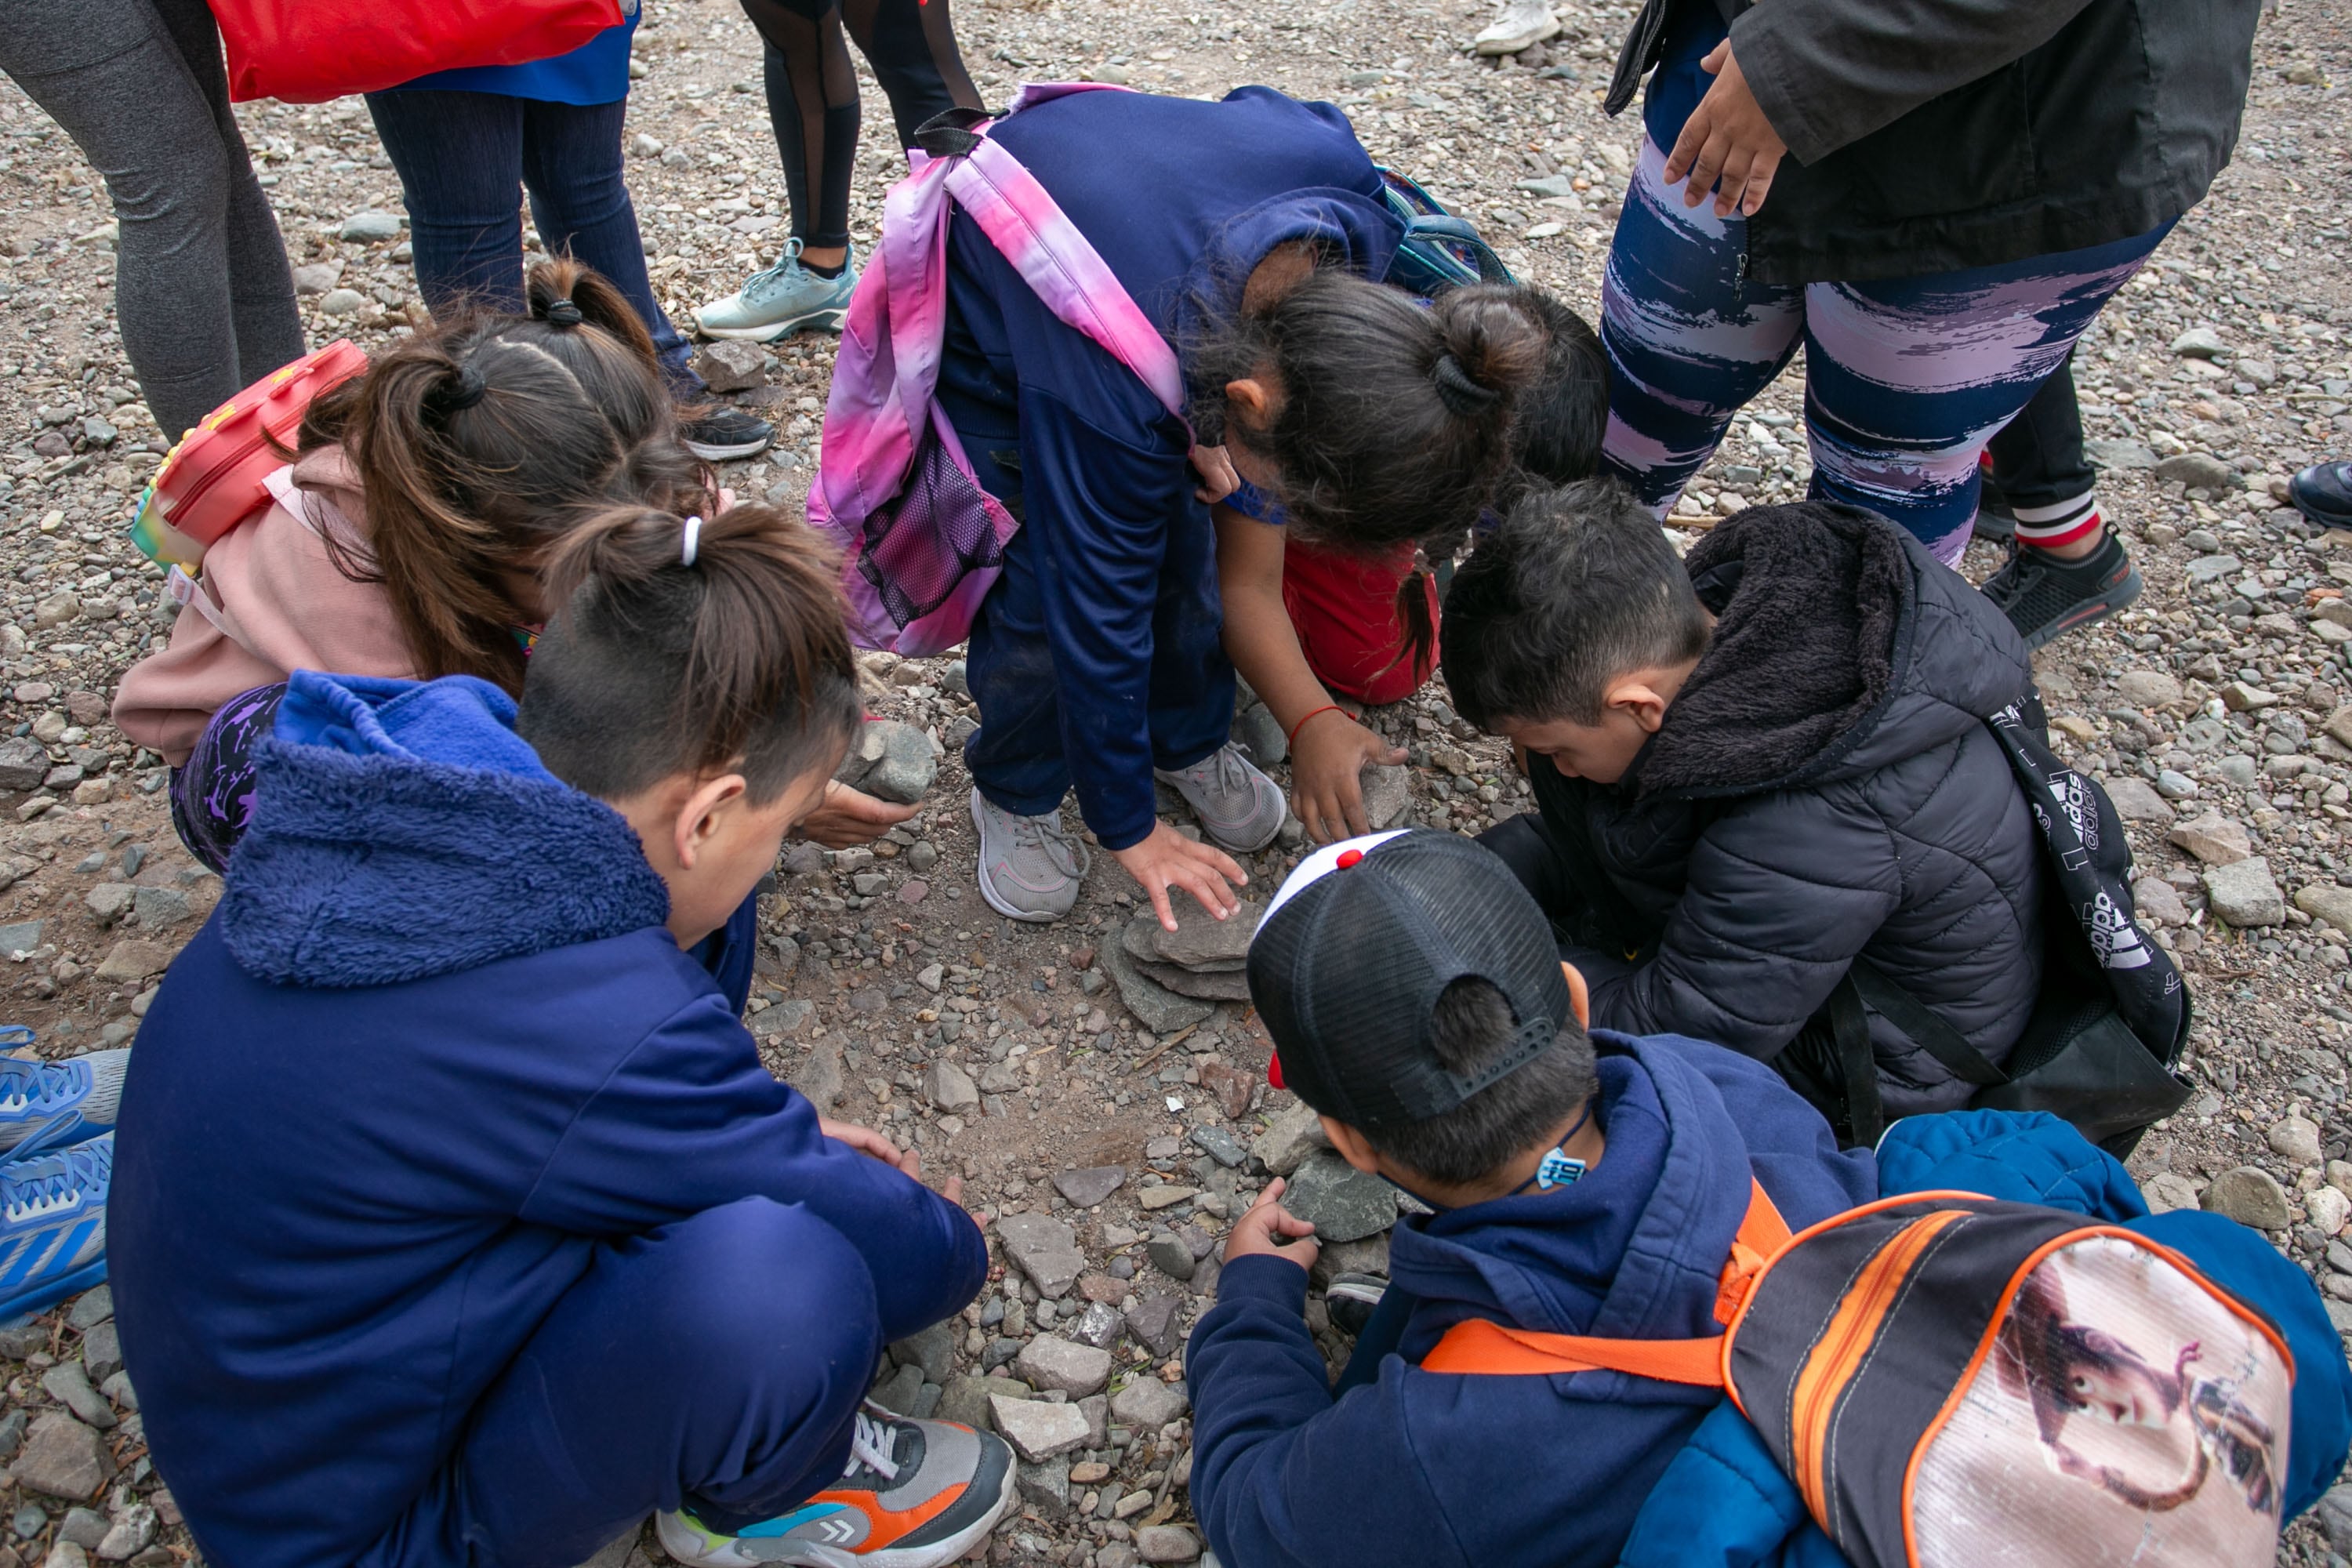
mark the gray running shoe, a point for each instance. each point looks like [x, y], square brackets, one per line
[781, 301]
[1238, 807]
[1030, 866]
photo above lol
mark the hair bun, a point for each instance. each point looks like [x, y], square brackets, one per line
[461, 391]
[1463, 394]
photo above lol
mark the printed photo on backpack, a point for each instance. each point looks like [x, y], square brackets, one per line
[2122, 1413]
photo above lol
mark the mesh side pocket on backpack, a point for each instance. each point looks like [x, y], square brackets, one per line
[939, 530]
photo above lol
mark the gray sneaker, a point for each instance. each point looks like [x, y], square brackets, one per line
[1030, 866]
[1238, 807]
[781, 301]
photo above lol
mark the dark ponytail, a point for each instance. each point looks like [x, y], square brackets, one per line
[1389, 421]
[691, 645]
[481, 440]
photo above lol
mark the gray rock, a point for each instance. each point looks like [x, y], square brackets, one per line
[1167, 1544]
[20, 936]
[2199, 343]
[1090, 1186]
[2250, 1196]
[947, 1087]
[819, 1075]
[101, 1351]
[731, 364]
[2295, 1140]
[2119, 456]
[1044, 1250]
[2243, 894]
[1049, 1362]
[1152, 1324]
[898, 1392]
[1046, 1487]
[1550, 186]
[344, 302]
[2135, 800]
[2199, 471]
[1293, 1134]
[98, 432]
[2335, 1516]
[1098, 1325]
[965, 1400]
[1207, 985]
[2147, 688]
[2175, 786]
[372, 227]
[1148, 1404]
[1155, 1007]
[63, 1458]
[932, 1349]
[2158, 902]
[23, 764]
[2213, 568]
[132, 1530]
[2326, 901]
[1037, 1431]
[1200, 941]
[66, 1554]
[1342, 1203]
[2166, 1191]
[110, 901]
[907, 766]
[68, 1384]
[2212, 839]
[1388, 795]
[316, 278]
[1261, 732]
[84, 1527]
[1170, 1257]
[160, 907]
[1219, 1145]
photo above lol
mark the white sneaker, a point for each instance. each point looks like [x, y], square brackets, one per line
[1238, 807]
[1520, 25]
[1031, 867]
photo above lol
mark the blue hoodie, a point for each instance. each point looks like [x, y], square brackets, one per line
[1439, 1470]
[435, 1047]
[1725, 1503]
[1181, 199]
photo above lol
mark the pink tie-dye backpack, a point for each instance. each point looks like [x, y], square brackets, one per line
[921, 541]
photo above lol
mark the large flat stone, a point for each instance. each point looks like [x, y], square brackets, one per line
[2243, 894]
[1044, 1250]
[1088, 1187]
[1050, 1361]
[1148, 1404]
[63, 1458]
[1038, 1431]
[2251, 1195]
[1155, 1007]
[2147, 688]
[1342, 1203]
[1294, 1133]
[2135, 800]
[2212, 839]
[2326, 901]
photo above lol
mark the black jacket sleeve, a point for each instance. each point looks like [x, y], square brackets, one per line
[1827, 72]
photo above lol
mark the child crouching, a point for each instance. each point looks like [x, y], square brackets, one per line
[458, 1220]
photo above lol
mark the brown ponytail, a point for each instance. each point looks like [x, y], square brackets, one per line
[655, 666]
[481, 440]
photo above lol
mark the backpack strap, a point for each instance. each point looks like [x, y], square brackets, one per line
[1477, 1347]
[1927, 1029]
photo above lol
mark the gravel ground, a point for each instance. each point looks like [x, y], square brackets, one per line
[892, 993]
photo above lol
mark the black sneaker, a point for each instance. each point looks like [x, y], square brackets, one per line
[1350, 1299]
[2045, 598]
[1995, 519]
[2322, 492]
[724, 434]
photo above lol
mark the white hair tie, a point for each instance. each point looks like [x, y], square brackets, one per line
[693, 544]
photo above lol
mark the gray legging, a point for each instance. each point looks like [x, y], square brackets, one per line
[201, 282]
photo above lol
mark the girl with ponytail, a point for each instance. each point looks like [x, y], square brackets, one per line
[424, 499]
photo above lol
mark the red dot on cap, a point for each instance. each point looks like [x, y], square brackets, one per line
[1349, 858]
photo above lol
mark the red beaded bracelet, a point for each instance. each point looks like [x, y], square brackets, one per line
[1292, 739]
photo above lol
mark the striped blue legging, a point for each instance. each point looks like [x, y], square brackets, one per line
[1906, 379]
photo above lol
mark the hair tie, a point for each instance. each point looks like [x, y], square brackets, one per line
[462, 391]
[1462, 396]
[561, 313]
[693, 544]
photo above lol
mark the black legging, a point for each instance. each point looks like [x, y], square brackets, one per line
[813, 92]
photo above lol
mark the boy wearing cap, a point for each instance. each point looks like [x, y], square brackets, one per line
[1583, 1183]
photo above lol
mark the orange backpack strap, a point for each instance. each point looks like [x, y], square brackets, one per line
[1477, 1347]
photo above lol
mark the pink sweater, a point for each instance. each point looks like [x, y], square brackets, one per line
[292, 608]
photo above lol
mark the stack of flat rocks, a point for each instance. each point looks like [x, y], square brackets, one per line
[1203, 957]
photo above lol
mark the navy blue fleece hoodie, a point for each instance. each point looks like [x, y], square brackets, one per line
[1181, 199]
[433, 1050]
[1440, 1470]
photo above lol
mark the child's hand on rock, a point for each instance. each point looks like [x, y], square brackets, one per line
[1168, 860]
[848, 816]
[1254, 1234]
[1326, 764]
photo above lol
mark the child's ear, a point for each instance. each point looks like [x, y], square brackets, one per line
[1249, 399]
[699, 818]
[1638, 700]
[1350, 1145]
[1579, 995]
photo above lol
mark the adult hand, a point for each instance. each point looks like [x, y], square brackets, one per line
[865, 1140]
[1253, 1233]
[1218, 477]
[1168, 860]
[846, 817]
[1726, 145]
[1326, 764]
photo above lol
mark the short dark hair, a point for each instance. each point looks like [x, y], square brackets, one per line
[1564, 412]
[1471, 1026]
[1575, 586]
[654, 668]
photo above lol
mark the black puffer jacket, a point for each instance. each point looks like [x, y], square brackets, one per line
[1824, 785]
[1928, 135]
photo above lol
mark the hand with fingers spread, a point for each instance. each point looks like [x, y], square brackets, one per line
[1254, 1234]
[1727, 146]
[1326, 764]
[1168, 860]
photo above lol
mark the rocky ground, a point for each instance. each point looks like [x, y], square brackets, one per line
[1107, 1128]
